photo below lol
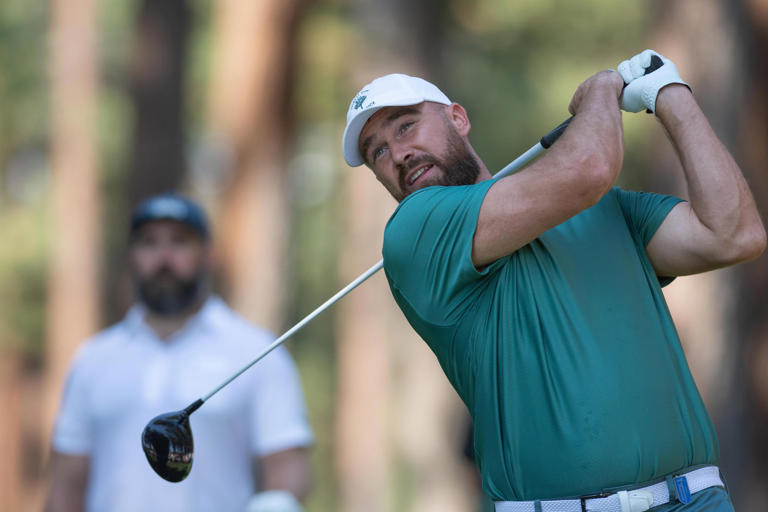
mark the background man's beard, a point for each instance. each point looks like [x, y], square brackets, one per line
[165, 294]
[459, 166]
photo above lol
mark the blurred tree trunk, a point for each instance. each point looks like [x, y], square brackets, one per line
[251, 115]
[414, 421]
[697, 302]
[746, 423]
[719, 47]
[156, 78]
[11, 481]
[73, 274]
[363, 442]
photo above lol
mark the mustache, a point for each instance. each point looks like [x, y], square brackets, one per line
[413, 163]
[163, 272]
[165, 293]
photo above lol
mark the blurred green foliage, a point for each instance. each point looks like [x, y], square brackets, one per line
[23, 174]
[22, 77]
[22, 265]
[515, 65]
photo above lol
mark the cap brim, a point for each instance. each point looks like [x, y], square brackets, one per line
[351, 136]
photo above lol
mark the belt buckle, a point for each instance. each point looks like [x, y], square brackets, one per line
[584, 499]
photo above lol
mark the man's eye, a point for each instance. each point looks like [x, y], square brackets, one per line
[405, 126]
[377, 153]
[146, 242]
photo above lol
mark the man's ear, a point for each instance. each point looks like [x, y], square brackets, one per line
[459, 118]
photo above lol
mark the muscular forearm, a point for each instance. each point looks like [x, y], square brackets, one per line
[596, 131]
[719, 195]
[572, 176]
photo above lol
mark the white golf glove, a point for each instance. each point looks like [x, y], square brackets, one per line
[273, 501]
[641, 89]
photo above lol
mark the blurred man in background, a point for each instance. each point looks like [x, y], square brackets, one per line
[176, 344]
[540, 292]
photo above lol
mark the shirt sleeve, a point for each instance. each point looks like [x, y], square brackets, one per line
[72, 432]
[428, 249]
[645, 211]
[279, 415]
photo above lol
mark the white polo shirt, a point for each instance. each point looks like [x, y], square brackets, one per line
[126, 375]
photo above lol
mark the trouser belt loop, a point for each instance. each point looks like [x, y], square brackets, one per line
[671, 487]
[537, 506]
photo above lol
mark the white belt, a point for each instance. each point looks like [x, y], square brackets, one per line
[635, 500]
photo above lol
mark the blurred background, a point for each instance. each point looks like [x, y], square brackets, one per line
[241, 105]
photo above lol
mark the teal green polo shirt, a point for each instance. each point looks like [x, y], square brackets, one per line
[564, 351]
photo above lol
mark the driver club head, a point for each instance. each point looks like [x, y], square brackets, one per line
[167, 443]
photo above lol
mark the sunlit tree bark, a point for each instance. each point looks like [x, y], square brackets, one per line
[11, 481]
[73, 273]
[396, 411]
[363, 411]
[250, 114]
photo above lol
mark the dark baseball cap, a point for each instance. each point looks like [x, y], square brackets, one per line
[170, 206]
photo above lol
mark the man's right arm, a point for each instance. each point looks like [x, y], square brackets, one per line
[67, 483]
[572, 176]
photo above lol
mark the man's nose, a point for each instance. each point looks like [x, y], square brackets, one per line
[165, 252]
[401, 153]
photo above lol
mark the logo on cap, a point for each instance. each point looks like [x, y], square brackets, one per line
[357, 101]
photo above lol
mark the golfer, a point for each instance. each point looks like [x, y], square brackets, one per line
[177, 342]
[540, 292]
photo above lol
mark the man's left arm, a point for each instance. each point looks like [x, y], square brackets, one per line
[284, 481]
[281, 436]
[720, 225]
[286, 470]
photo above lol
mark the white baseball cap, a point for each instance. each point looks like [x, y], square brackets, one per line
[393, 90]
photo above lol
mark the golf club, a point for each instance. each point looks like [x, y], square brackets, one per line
[167, 438]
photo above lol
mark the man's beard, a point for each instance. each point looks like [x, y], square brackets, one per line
[165, 294]
[459, 166]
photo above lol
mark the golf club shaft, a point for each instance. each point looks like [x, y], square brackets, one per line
[550, 138]
[290, 332]
[516, 164]
[544, 143]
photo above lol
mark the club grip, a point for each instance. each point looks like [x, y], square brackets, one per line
[550, 138]
[656, 63]
[555, 134]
